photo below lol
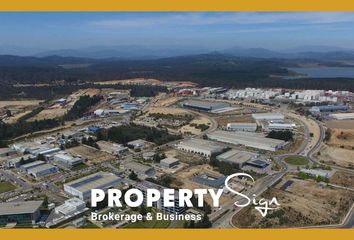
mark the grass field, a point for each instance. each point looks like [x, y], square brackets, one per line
[79, 167]
[6, 186]
[296, 160]
[89, 225]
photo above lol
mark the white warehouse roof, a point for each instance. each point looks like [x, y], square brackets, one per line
[268, 116]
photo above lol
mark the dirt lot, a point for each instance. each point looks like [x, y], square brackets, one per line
[343, 124]
[20, 104]
[342, 137]
[185, 157]
[343, 179]
[338, 156]
[193, 130]
[167, 101]
[307, 204]
[167, 110]
[225, 119]
[91, 154]
[18, 108]
[131, 81]
[49, 114]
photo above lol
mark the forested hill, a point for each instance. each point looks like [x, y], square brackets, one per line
[213, 69]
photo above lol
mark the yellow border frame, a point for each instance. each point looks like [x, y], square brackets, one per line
[178, 234]
[176, 5]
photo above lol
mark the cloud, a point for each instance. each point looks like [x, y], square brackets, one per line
[239, 18]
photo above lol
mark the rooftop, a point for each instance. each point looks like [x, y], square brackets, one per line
[202, 144]
[268, 116]
[169, 160]
[29, 207]
[236, 156]
[135, 166]
[204, 104]
[41, 168]
[96, 180]
[233, 137]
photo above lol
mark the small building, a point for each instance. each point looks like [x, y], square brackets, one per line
[137, 144]
[71, 207]
[141, 170]
[94, 129]
[67, 160]
[246, 127]
[6, 152]
[20, 212]
[42, 170]
[169, 162]
[149, 156]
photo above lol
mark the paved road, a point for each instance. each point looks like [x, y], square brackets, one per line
[20, 182]
[225, 220]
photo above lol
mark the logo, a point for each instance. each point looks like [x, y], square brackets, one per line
[170, 198]
[262, 205]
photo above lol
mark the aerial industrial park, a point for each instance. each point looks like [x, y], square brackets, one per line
[296, 144]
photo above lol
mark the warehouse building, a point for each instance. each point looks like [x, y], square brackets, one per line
[254, 140]
[205, 105]
[112, 148]
[26, 167]
[210, 180]
[141, 170]
[267, 116]
[245, 127]
[169, 162]
[67, 160]
[258, 166]
[342, 116]
[328, 108]
[20, 212]
[200, 146]
[47, 151]
[277, 126]
[42, 170]
[137, 144]
[16, 162]
[239, 158]
[176, 209]
[81, 188]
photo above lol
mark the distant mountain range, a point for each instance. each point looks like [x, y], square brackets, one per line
[143, 53]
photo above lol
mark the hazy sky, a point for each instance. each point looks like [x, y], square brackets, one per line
[209, 30]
